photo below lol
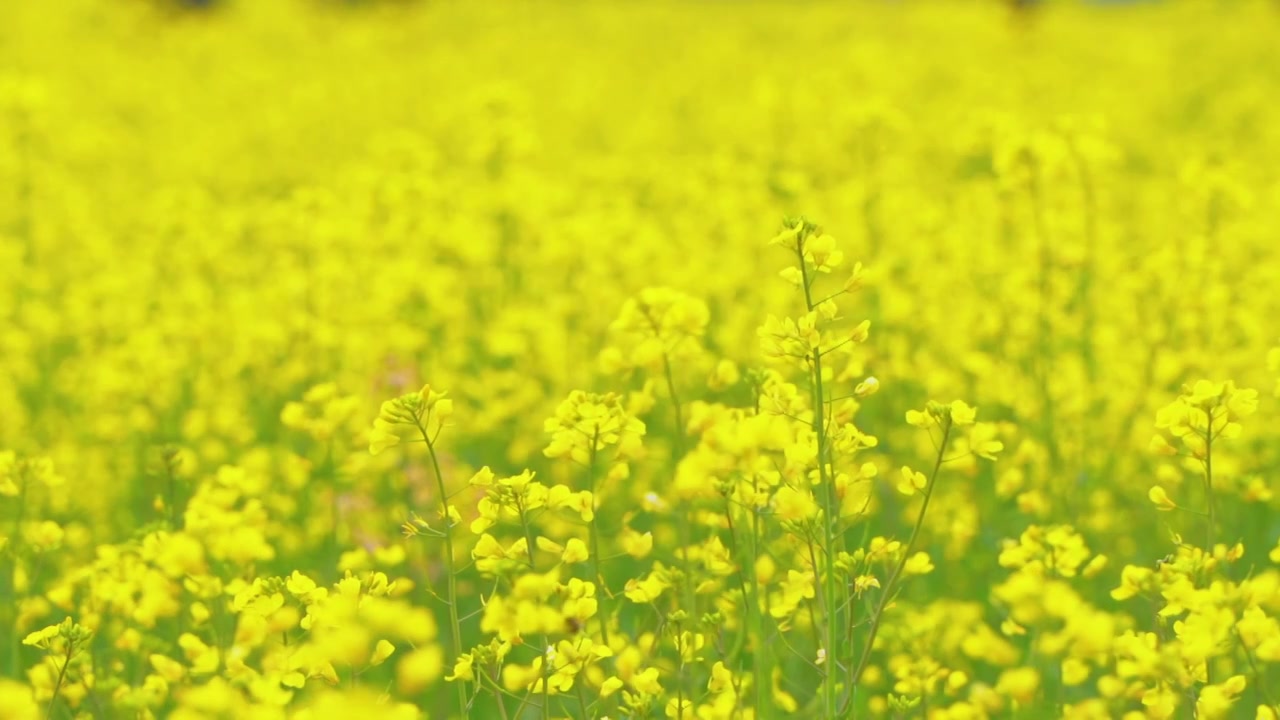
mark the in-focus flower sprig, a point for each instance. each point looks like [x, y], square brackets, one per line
[427, 412]
[424, 413]
[1203, 414]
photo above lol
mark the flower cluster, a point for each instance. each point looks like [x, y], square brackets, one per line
[424, 414]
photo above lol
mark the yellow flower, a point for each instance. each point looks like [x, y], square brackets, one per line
[1161, 499]
[920, 418]
[646, 681]
[1133, 580]
[1020, 684]
[17, 701]
[168, 668]
[918, 564]
[820, 250]
[382, 437]
[1160, 446]
[794, 505]
[1074, 671]
[610, 686]
[41, 638]
[1216, 701]
[912, 481]
[575, 551]
[678, 708]
[962, 414]
[721, 679]
[381, 652]
[982, 441]
[646, 590]
[462, 669]
[791, 235]
[636, 544]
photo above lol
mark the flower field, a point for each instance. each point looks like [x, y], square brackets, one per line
[694, 360]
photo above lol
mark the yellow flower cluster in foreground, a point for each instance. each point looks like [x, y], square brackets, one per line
[639, 360]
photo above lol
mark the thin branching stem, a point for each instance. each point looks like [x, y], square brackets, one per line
[455, 626]
[891, 586]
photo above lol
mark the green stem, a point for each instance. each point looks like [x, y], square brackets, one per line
[62, 674]
[1089, 271]
[497, 697]
[455, 626]
[685, 526]
[172, 487]
[582, 701]
[737, 561]
[7, 574]
[594, 530]
[546, 640]
[828, 498]
[675, 404]
[328, 473]
[760, 657]
[891, 586]
[546, 682]
[1208, 487]
[528, 531]
[1084, 293]
[1259, 680]
[680, 675]
[1043, 323]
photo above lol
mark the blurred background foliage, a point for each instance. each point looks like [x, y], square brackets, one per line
[207, 209]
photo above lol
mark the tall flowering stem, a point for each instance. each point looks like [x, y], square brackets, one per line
[62, 642]
[829, 501]
[583, 425]
[804, 342]
[1202, 414]
[657, 331]
[427, 412]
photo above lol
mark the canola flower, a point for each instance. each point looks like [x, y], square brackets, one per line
[449, 360]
